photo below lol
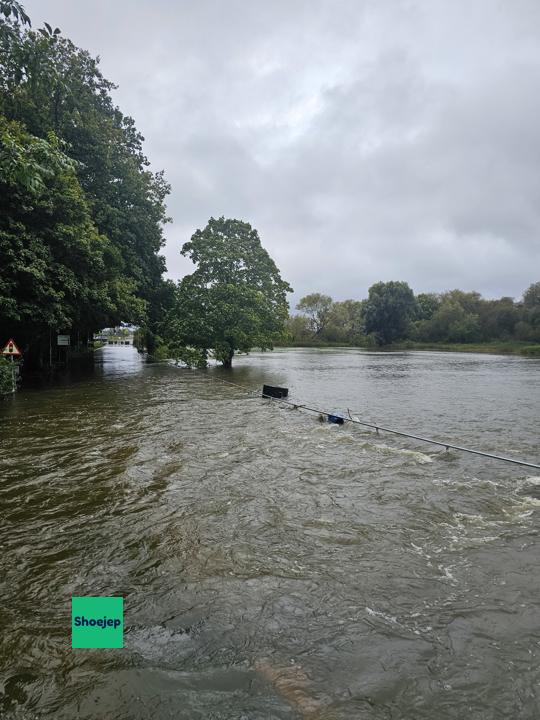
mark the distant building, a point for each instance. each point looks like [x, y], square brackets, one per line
[120, 335]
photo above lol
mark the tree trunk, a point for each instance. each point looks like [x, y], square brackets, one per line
[227, 363]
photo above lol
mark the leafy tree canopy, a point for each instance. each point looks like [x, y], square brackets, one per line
[57, 270]
[327, 321]
[531, 316]
[317, 307]
[14, 12]
[48, 83]
[235, 299]
[450, 317]
[428, 304]
[346, 321]
[56, 92]
[531, 297]
[390, 307]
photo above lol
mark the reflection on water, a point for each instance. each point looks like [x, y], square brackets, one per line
[117, 360]
[273, 566]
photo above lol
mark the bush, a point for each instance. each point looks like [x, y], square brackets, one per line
[159, 352]
[192, 357]
[6, 377]
[532, 350]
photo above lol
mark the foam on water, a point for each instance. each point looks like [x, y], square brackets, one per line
[157, 642]
[419, 457]
[382, 616]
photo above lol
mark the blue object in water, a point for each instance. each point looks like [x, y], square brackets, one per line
[336, 418]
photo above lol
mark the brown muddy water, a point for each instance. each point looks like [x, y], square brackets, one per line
[273, 566]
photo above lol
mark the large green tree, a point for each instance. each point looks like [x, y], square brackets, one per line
[316, 307]
[345, 322]
[50, 85]
[427, 303]
[498, 318]
[58, 271]
[235, 299]
[389, 310]
[298, 330]
[530, 324]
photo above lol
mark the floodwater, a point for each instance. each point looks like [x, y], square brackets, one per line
[272, 565]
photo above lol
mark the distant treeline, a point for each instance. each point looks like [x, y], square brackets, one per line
[392, 313]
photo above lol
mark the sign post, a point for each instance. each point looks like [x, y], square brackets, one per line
[12, 351]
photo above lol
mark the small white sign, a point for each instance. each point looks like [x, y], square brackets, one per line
[62, 339]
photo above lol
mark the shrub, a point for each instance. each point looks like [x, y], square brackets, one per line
[6, 376]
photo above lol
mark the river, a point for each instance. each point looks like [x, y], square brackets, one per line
[272, 565]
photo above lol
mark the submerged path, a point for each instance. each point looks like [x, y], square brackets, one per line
[273, 566]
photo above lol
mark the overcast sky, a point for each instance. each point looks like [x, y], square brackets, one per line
[365, 140]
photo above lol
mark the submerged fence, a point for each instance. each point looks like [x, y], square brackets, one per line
[379, 428]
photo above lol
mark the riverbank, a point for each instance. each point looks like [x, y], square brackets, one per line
[494, 348]
[510, 347]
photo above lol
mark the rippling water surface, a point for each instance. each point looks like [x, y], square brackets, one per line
[274, 566]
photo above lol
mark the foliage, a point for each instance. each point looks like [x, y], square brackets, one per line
[389, 309]
[443, 320]
[235, 299]
[6, 376]
[78, 140]
[192, 357]
[317, 308]
[160, 352]
[298, 330]
[532, 350]
[427, 305]
[346, 322]
[498, 318]
[57, 270]
[13, 10]
[531, 296]
[531, 313]
[327, 322]
[465, 317]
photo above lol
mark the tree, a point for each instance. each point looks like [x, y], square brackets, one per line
[428, 303]
[345, 322]
[498, 318]
[14, 13]
[348, 316]
[317, 307]
[531, 296]
[6, 377]
[49, 84]
[235, 299]
[57, 270]
[530, 325]
[298, 329]
[389, 310]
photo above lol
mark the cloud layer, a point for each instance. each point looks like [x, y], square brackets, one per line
[366, 141]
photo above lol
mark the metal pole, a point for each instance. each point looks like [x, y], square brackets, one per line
[13, 383]
[375, 427]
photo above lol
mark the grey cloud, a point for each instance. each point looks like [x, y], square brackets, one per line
[365, 140]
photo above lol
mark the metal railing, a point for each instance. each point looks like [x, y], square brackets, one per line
[377, 428]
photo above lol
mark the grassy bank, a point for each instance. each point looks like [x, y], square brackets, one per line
[500, 347]
[320, 344]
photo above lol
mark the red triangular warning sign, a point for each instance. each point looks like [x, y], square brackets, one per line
[11, 348]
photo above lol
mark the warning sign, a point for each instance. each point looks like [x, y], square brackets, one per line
[11, 349]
